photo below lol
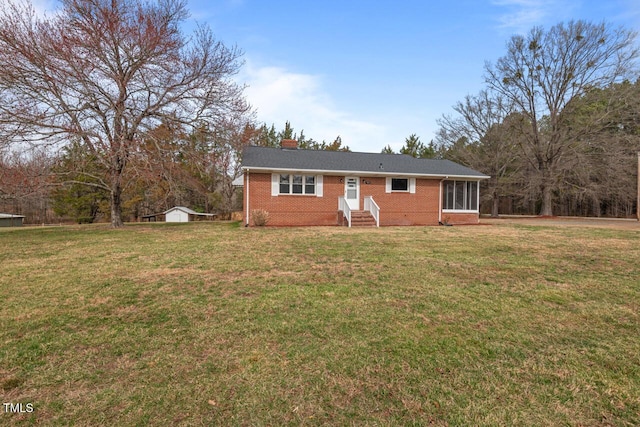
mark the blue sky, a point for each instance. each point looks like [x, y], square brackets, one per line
[375, 72]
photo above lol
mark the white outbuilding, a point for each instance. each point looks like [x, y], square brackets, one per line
[182, 214]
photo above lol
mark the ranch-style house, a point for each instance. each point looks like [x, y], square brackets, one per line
[299, 187]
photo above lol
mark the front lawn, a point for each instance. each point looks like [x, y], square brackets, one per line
[215, 324]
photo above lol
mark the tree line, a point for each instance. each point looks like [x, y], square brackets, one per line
[558, 125]
[108, 110]
[169, 168]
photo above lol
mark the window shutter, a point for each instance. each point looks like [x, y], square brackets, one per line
[319, 186]
[388, 189]
[412, 185]
[275, 184]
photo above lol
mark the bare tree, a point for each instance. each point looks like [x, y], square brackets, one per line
[483, 137]
[229, 159]
[105, 72]
[603, 177]
[25, 184]
[543, 73]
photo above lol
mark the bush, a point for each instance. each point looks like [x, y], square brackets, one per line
[260, 217]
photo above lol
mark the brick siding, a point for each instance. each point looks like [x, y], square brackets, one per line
[396, 208]
[460, 218]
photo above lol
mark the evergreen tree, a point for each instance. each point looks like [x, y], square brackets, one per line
[336, 145]
[387, 150]
[80, 193]
[415, 148]
[286, 133]
[268, 136]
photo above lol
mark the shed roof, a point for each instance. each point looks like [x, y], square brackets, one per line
[321, 161]
[181, 208]
[187, 210]
[6, 215]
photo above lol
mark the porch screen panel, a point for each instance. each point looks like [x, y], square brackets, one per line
[472, 195]
[447, 195]
[459, 195]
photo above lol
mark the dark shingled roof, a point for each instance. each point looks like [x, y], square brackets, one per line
[274, 159]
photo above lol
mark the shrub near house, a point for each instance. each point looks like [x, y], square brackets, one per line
[313, 187]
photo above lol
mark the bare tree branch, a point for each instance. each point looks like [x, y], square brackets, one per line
[543, 73]
[106, 72]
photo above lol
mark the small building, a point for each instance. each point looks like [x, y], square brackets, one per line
[11, 220]
[182, 214]
[313, 187]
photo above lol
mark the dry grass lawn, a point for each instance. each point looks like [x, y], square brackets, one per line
[215, 324]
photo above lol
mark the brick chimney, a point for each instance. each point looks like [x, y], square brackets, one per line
[290, 144]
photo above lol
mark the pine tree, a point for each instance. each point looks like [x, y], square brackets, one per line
[387, 150]
[415, 148]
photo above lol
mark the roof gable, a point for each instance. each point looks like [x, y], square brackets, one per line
[181, 208]
[318, 161]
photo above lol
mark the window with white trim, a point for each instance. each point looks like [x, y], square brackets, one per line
[460, 195]
[297, 184]
[399, 184]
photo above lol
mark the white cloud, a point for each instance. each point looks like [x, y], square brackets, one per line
[280, 95]
[522, 15]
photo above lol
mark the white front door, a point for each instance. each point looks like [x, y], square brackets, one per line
[352, 192]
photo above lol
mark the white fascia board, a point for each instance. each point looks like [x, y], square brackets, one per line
[363, 173]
